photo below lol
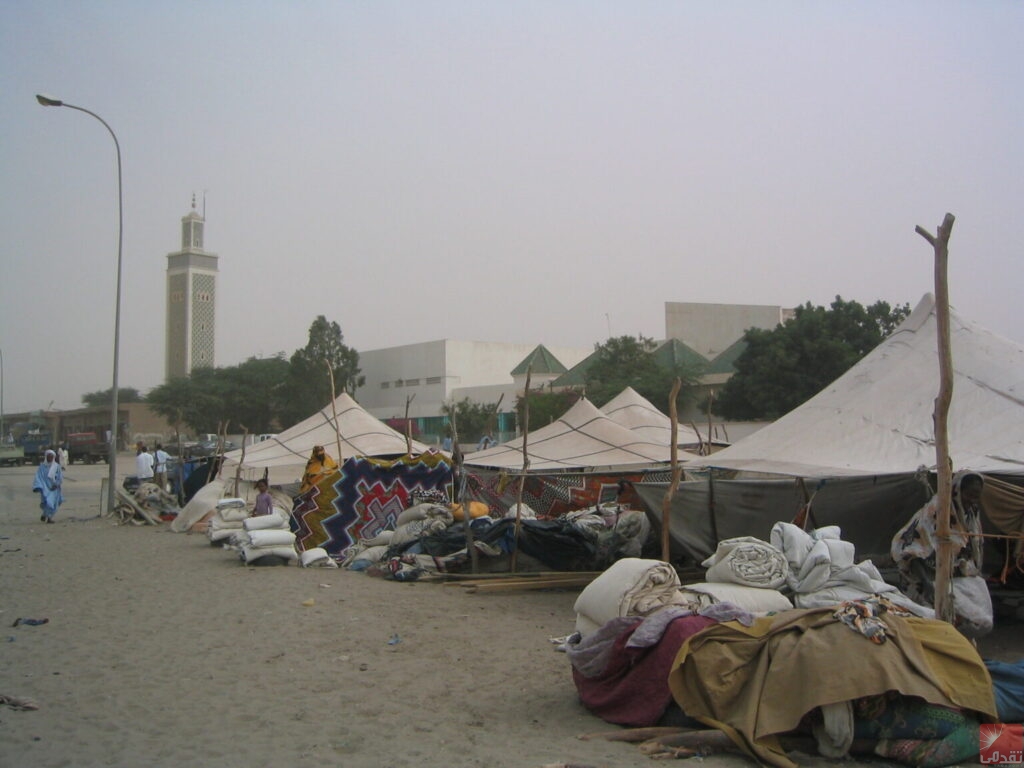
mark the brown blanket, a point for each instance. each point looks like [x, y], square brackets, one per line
[757, 682]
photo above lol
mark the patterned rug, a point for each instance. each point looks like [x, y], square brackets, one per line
[365, 498]
[554, 495]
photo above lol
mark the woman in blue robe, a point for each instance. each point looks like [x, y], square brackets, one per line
[47, 483]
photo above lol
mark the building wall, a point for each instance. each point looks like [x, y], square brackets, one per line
[711, 328]
[177, 326]
[437, 372]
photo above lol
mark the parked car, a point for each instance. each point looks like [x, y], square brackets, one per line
[209, 447]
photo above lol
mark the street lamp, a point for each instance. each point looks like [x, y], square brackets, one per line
[47, 101]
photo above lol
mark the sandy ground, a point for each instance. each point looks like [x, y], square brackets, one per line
[161, 650]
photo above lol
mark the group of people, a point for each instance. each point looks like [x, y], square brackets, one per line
[151, 467]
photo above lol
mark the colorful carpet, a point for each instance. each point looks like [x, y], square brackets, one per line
[365, 498]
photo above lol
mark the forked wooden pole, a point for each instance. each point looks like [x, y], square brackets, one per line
[666, 503]
[944, 609]
[522, 477]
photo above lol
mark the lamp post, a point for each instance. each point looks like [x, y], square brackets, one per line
[47, 101]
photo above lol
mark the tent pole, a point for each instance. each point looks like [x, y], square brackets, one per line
[457, 471]
[334, 412]
[944, 609]
[666, 503]
[526, 466]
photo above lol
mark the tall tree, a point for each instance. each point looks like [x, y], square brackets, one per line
[472, 419]
[187, 402]
[628, 361]
[308, 387]
[784, 367]
[102, 397]
[545, 406]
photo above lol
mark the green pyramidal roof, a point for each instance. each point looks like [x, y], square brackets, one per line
[725, 361]
[541, 361]
[577, 375]
[674, 354]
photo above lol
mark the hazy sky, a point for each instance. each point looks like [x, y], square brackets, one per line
[495, 171]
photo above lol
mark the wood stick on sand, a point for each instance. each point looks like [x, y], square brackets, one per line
[944, 552]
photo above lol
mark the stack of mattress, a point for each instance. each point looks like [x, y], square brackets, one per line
[227, 520]
[266, 536]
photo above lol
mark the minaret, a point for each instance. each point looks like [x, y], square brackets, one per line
[191, 300]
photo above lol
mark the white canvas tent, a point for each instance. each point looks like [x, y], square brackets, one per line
[286, 454]
[582, 439]
[876, 419]
[633, 411]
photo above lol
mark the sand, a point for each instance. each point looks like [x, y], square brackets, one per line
[161, 650]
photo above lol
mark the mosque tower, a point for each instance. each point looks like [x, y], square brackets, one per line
[191, 300]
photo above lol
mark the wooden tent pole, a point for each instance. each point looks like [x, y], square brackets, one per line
[241, 461]
[944, 609]
[522, 477]
[408, 426]
[666, 503]
[457, 470]
[334, 412]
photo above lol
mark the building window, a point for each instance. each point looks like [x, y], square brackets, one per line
[412, 382]
[433, 379]
[399, 383]
[385, 385]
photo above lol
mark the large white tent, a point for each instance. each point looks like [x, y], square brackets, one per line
[633, 411]
[582, 439]
[285, 455]
[877, 419]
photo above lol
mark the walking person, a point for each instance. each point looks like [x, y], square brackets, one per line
[160, 459]
[47, 483]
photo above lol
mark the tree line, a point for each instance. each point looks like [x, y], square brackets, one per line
[777, 371]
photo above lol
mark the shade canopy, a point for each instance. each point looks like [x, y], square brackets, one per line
[877, 418]
[286, 454]
[633, 411]
[582, 439]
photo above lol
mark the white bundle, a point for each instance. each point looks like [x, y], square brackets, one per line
[222, 529]
[424, 511]
[272, 538]
[232, 502]
[250, 553]
[630, 587]
[382, 539]
[266, 522]
[753, 599]
[317, 558]
[410, 532]
[747, 561]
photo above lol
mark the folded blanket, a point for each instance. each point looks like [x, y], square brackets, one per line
[747, 561]
[631, 586]
[272, 538]
[424, 511]
[757, 600]
[266, 522]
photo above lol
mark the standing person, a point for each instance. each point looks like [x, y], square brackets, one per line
[47, 483]
[160, 459]
[264, 501]
[62, 456]
[143, 465]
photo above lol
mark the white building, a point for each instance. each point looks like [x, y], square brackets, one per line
[434, 373]
[191, 301]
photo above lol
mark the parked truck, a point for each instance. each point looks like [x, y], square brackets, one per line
[34, 443]
[86, 446]
[11, 454]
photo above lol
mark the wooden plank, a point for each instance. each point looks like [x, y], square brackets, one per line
[513, 585]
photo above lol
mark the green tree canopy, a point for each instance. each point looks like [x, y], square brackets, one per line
[308, 385]
[124, 395]
[784, 367]
[628, 361]
[546, 407]
[472, 420]
[187, 401]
